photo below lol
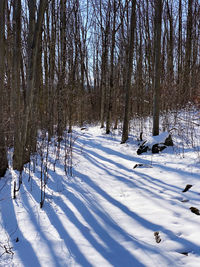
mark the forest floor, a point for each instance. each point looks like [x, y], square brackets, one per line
[107, 212]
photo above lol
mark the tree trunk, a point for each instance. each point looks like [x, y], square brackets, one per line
[61, 79]
[188, 51]
[35, 30]
[179, 43]
[16, 99]
[157, 53]
[104, 73]
[3, 152]
[129, 74]
[111, 85]
[170, 65]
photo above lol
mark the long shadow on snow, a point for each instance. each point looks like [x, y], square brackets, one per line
[190, 246]
[11, 224]
[124, 179]
[158, 182]
[132, 158]
[129, 180]
[181, 172]
[64, 235]
[115, 253]
[110, 151]
[108, 160]
[113, 226]
[33, 219]
[138, 160]
[140, 184]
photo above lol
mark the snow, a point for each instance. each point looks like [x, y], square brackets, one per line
[107, 212]
[159, 139]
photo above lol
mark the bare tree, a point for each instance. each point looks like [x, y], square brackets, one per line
[35, 30]
[170, 45]
[157, 53]
[105, 32]
[188, 51]
[16, 104]
[129, 70]
[3, 152]
[111, 76]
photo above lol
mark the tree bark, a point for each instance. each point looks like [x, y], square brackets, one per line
[61, 79]
[170, 65]
[157, 54]
[35, 30]
[104, 73]
[129, 74]
[111, 78]
[187, 64]
[3, 152]
[16, 99]
[179, 75]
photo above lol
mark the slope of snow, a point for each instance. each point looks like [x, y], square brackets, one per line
[159, 139]
[107, 212]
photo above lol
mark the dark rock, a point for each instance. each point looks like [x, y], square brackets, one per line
[195, 210]
[184, 253]
[154, 145]
[157, 148]
[142, 149]
[157, 237]
[188, 186]
[169, 141]
[138, 165]
[184, 200]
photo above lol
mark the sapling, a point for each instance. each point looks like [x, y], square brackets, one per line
[15, 189]
[57, 152]
[70, 160]
[29, 171]
[42, 174]
[66, 154]
[46, 162]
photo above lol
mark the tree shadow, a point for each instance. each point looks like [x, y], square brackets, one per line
[70, 243]
[97, 227]
[99, 222]
[130, 180]
[111, 250]
[145, 223]
[43, 233]
[23, 248]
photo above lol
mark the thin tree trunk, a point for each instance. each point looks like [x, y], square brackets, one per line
[61, 81]
[179, 43]
[157, 49]
[129, 74]
[111, 85]
[16, 101]
[170, 64]
[187, 65]
[104, 76]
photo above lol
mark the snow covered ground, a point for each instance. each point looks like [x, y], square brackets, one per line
[106, 214]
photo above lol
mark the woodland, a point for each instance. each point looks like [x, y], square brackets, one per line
[99, 133]
[71, 62]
